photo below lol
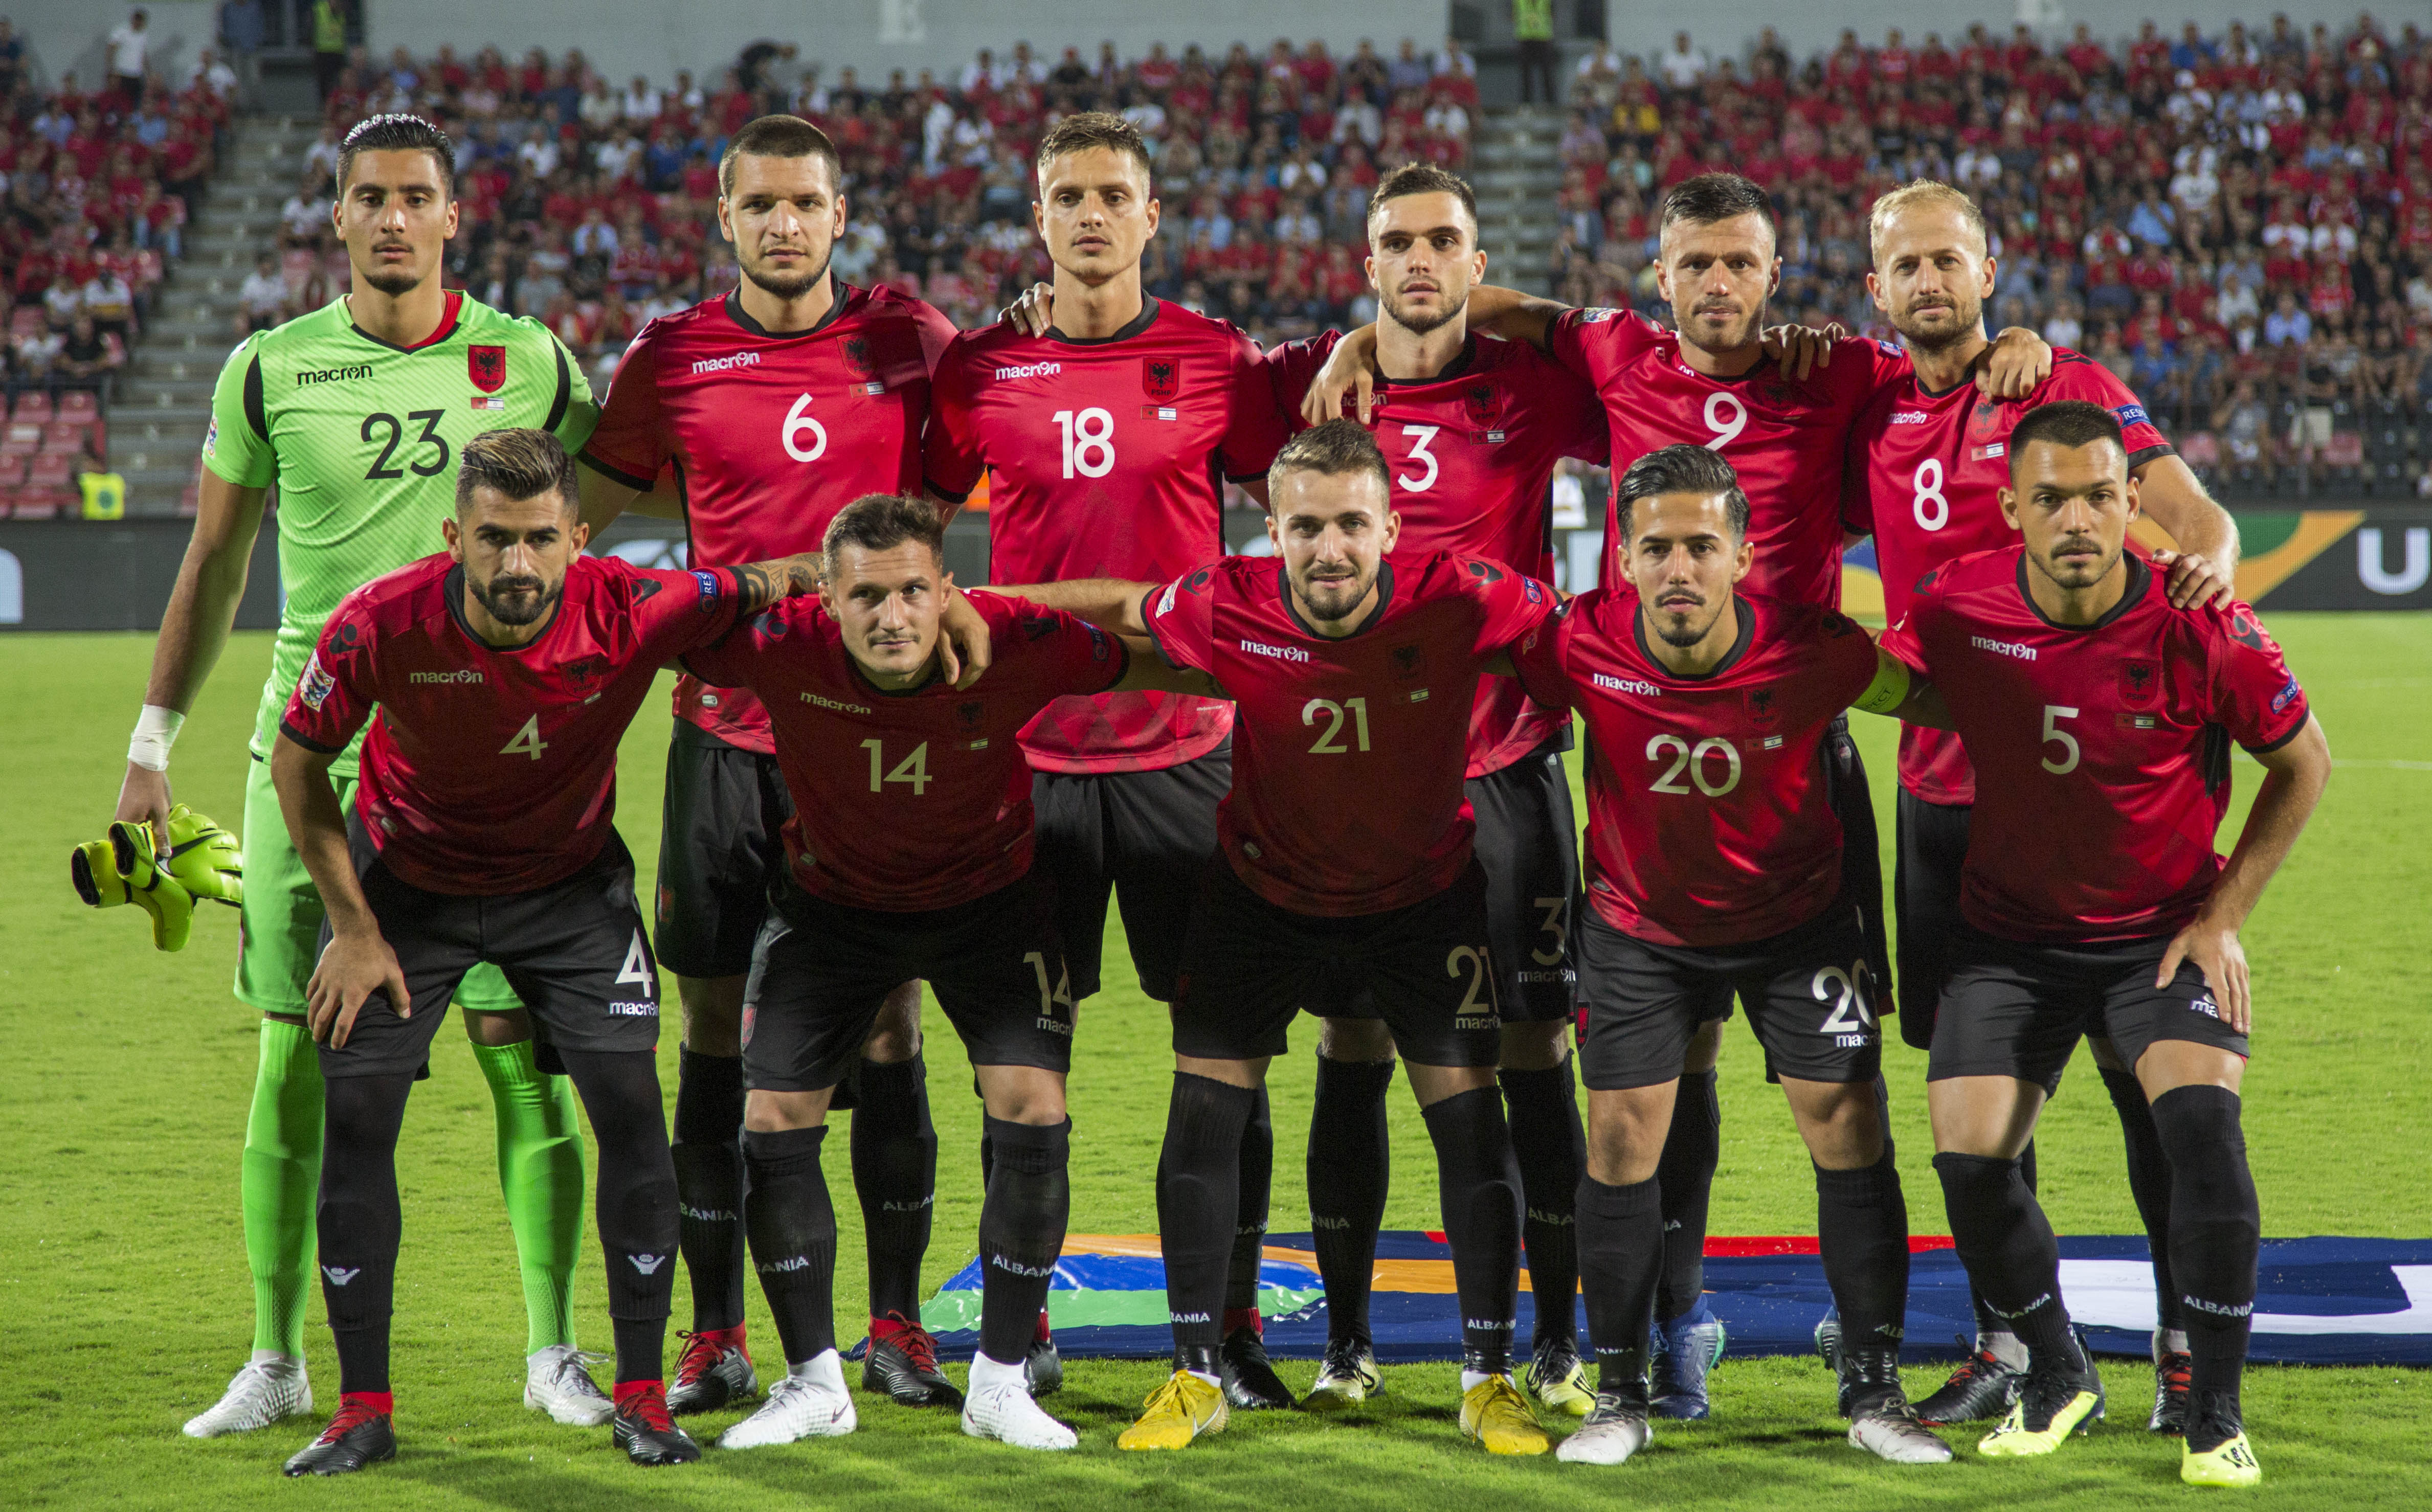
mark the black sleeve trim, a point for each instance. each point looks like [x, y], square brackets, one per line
[1123, 670]
[1239, 479]
[306, 741]
[257, 413]
[615, 474]
[946, 493]
[565, 391]
[2295, 732]
[2140, 458]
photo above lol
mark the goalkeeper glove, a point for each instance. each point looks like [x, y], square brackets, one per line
[93, 869]
[204, 858]
[150, 886]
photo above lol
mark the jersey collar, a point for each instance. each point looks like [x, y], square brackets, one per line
[733, 302]
[1150, 306]
[1292, 607]
[1740, 606]
[1458, 367]
[452, 587]
[451, 310]
[2140, 578]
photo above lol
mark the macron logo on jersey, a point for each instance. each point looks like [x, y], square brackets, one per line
[1027, 370]
[1281, 653]
[465, 675]
[1910, 417]
[831, 703]
[336, 375]
[1613, 684]
[725, 365]
[2009, 649]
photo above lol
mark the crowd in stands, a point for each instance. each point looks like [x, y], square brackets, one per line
[2241, 225]
[97, 185]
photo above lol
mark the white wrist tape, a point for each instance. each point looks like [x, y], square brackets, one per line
[156, 730]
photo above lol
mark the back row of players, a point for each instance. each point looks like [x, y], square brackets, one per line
[1722, 866]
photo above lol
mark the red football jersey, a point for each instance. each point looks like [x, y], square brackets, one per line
[1107, 459]
[859, 763]
[770, 435]
[2104, 749]
[1347, 754]
[493, 769]
[1925, 473]
[1786, 439]
[1474, 450]
[1708, 822]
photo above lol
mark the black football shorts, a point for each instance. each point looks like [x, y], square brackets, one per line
[720, 852]
[1933, 848]
[1528, 843]
[2018, 1010]
[1143, 836]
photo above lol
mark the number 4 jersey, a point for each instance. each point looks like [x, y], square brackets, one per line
[1708, 820]
[2103, 749]
[361, 437]
[492, 769]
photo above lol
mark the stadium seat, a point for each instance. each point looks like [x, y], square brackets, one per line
[33, 409]
[13, 472]
[50, 469]
[80, 404]
[38, 503]
[66, 436]
[21, 439]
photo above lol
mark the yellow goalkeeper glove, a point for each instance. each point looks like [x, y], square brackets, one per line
[204, 858]
[149, 885]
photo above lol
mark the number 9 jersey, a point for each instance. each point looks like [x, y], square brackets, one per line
[361, 437]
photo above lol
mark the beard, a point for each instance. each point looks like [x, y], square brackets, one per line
[1420, 325]
[790, 285]
[516, 601]
[1747, 333]
[1684, 630]
[394, 282]
[1966, 317]
[2075, 576]
[1332, 599]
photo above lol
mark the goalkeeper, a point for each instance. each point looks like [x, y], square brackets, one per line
[357, 412]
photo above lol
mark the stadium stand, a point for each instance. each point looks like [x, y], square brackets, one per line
[2241, 225]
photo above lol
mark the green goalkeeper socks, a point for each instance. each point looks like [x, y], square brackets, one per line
[540, 1172]
[280, 1183]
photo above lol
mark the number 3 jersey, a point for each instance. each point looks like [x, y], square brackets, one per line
[913, 800]
[1347, 753]
[2102, 752]
[1107, 459]
[770, 435]
[1925, 473]
[1708, 819]
[1473, 451]
[492, 769]
[361, 437]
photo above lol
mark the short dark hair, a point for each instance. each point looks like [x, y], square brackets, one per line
[1331, 448]
[779, 136]
[1682, 469]
[1425, 178]
[397, 133]
[520, 462]
[1711, 197]
[1093, 128]
[2070, 423]
[881, 522]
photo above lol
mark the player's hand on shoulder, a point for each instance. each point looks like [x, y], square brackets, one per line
[963, 646]
[349, 971]
[1033, 313]
[1350, 368]
[1799, 349]
[2194, 581]
[145, 795]
[2014, 365]
[2213, 947]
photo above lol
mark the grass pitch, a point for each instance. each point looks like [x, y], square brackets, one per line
[125, 1301]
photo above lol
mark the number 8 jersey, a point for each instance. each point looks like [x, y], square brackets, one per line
[361, 437]
[1708, 819]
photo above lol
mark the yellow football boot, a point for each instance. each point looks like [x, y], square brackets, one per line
[1178, 1412]
[1497, 1415]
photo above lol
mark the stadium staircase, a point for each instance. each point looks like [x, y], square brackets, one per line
[1515, 166]
[163, 400]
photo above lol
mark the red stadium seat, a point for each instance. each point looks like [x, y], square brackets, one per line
[21, 441]
[50, 469]
[80, 404]
[13, 472]
[34, 409]
[66, 436]
[38, 503]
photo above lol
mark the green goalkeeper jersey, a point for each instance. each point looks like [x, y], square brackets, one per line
[361, 437]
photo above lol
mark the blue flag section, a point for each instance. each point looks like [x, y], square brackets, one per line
[2321, 1301]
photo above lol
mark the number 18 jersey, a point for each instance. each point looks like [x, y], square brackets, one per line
[361, 437]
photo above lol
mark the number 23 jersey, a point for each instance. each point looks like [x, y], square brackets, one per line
[1347, 752]
[361, 438]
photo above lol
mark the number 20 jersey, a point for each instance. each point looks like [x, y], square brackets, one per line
[1708, 820]
[770, 435]
[1107, 459]
[361, 438]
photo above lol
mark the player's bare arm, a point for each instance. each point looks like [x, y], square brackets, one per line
[2294, 776]
[762, 583]
[604, 498]
[1150, 672]
[358, 962]
[2203, 570]
[193, 631]
[1112, 604]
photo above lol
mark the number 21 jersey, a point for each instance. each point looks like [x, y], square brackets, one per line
[1107, 459]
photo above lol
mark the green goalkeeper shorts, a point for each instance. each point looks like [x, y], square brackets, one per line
[279, 929]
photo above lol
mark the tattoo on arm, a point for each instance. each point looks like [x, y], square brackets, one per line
[762, 583]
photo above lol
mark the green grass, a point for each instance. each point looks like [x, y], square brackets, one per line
[125, 1303]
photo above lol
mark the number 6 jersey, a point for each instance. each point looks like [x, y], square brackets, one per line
[361, 437]
[1708, 820]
